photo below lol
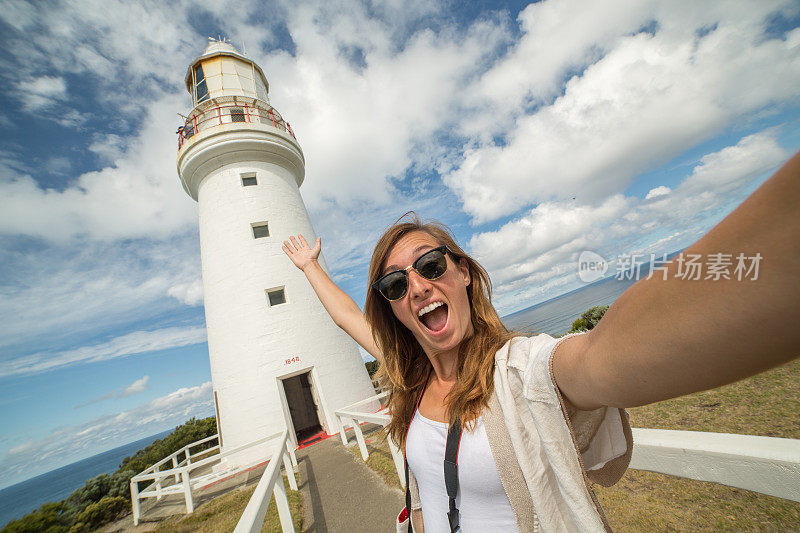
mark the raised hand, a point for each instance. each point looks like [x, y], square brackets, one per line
[301, 254]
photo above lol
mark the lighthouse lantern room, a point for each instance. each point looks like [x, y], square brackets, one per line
[277, 359]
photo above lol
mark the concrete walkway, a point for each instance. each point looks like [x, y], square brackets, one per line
[342, 494]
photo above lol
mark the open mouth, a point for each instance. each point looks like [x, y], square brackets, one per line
[434, 316]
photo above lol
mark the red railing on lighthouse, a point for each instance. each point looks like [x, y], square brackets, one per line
[230, 110]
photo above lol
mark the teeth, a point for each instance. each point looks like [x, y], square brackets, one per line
[429, 308]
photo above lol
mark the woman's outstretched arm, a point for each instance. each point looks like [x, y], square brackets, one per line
[344, 311]
[669, 337]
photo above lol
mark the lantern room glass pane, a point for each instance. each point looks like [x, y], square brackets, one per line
[200, 90]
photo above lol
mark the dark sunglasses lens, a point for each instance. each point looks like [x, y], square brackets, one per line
[393, 286]
[432, 265]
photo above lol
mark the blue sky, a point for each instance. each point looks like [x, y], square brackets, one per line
[534, 131]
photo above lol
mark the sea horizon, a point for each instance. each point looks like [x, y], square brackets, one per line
[55, 485]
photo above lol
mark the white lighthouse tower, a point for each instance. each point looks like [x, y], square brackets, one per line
[277, 359]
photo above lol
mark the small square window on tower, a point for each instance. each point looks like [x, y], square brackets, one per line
[260, 230]
[249, 179]
[276, 296]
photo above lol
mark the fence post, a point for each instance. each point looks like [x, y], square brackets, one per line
[287, 465]
[360, 437]
[342, 430]
[282, 503]
[158, 483]
[397, 457]
[292, 456]
[175, 465]
[137, 510]
[187, 492]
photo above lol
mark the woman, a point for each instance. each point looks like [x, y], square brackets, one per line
[543, 418]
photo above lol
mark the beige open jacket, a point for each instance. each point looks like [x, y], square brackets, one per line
[548, 453]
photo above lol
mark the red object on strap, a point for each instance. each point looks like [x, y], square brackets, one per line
[403, 516]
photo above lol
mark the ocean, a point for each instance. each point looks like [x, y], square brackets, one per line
[553, 317]
[18, 500]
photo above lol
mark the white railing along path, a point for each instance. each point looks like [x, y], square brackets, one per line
[767, 465]
[270, 484]
[181, 472]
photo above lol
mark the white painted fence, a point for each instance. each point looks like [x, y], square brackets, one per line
[767, 465]
[351, 416]
[271, 483]
[179, 479]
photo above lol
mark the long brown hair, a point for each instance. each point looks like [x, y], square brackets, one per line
[406, 367]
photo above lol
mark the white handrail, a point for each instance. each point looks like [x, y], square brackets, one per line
[767, 465]
[182, 474]
[184, 450]
[378, 396]
[270, 484]
[349, 416]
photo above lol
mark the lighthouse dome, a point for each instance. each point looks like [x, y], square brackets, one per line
[220, 46]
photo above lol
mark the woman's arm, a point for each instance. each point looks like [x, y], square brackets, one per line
[344, 311]
[666, 338]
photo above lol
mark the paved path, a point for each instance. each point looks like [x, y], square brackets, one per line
[342, 494]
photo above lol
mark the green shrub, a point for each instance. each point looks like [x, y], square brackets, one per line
[191, 431]
[589, 318]
[372, 367]
[106, 510]
[48, 518]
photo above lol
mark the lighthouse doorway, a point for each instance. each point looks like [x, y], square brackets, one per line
[303, 404]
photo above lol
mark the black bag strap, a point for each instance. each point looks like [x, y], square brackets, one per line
[408, 498]
[451, 473]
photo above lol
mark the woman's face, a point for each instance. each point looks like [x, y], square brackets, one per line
[437, 312]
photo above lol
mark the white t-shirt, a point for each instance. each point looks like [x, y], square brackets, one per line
[482, 502]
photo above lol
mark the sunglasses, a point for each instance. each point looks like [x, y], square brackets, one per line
[431, 265]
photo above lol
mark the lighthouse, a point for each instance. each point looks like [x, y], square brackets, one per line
[277, 359]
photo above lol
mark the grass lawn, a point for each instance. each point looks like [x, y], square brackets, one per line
[380, 458]
[221, 514]
[767, 404]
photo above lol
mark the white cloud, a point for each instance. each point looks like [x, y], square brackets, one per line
[137, 197]
[136, 342]
[361, 125]
[648, 98]
[533, 258]
[661, 190]
[137, 387]
[54, 297]
[535, 247]
[109, 147]
[42, 92]
[190, 293]
[71, 443]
